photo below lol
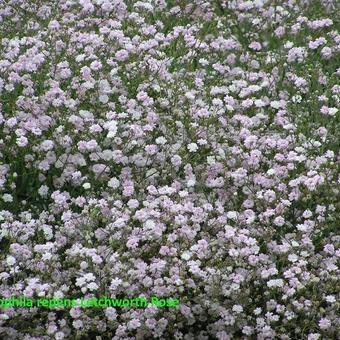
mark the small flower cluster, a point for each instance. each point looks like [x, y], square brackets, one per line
[180, 149]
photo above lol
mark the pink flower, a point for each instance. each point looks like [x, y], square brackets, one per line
[122, 55]
[324, 323]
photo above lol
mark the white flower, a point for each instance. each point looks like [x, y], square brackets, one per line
[257, 311]
[288, 44]
[11, 260]
[190, 95]
[59, 335]
[113, 183]
[161, 140]
[211, 160]
[47, 232]
[58, 294]
[46, 256]
[330, 298]
[192, 147]
[43, 190]
[292, 258]
[92, 286]
[7, 197]
[234, 286]
[115, 283]
[237, 308]
[332, 111]
[110, 313]
[186, 256]
[77, 324]
[104, 98]
[112, 127]
[232, 215]
[89, 277]
[111, 134]
[86, 186]
[86, 115]
[22, 141]
[47, 145]
[149, 224]
[80, 281]
[183, 193]
[202, 141]
[279, 221]
[296, 99]
[191, 182]
[275, 104]
[301, 227]
[259, 103]
[275, 283]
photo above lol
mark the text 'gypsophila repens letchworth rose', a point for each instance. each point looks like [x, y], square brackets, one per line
[183, 149]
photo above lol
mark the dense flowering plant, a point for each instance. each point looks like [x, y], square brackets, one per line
[183, 149]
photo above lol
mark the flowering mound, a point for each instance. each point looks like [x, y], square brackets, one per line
[172, 149]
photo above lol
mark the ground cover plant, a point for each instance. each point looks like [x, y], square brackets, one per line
[179, 149]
